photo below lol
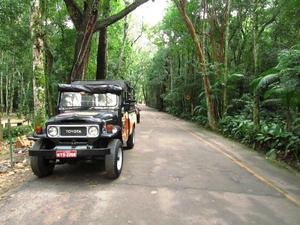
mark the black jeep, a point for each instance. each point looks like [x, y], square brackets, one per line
[95, 120]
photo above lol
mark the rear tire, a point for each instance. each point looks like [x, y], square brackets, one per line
[114, 161]
[131, 140]
[40, 166]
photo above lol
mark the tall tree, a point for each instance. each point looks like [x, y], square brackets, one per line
[226, 60]
[256, 116]
[81, 18]
[38, 63]
[259, 26]
[181, 5]
[82, 56]
[101, 72]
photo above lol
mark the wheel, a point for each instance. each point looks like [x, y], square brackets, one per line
[40, 167]
[114, 161]
[131, 140]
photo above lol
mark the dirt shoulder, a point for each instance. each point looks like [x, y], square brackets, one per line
[13, 176]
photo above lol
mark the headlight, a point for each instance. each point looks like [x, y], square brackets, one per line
[52, 131]
[93, 131]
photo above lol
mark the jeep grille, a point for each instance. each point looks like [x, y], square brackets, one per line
[73, 131]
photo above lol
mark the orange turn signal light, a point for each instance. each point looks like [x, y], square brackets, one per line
[109, 128]
[38, 130]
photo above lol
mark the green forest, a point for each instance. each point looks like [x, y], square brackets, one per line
[232, 66]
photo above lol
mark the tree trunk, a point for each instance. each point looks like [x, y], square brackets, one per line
[171, 75]
[7, 92]
[289, 125]
[206, 83]
[1, 90]
[256, 109]
[82, 55]
[102, 55]
[85, 22]
[288, 119]
[1, 104]
[1, 85]
[145, 94]
[212, 33]
[22, 96]
[226, 53]
[101, 73]
[203, 28]
[38, 64]
[121, 57]
[12, 91]
[49, 59]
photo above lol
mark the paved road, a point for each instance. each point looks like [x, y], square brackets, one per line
[177, 174]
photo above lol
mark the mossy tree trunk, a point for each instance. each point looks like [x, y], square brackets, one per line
[226, 61]
[256, 106]
[101, 73]
[38, 64]
[86, 24]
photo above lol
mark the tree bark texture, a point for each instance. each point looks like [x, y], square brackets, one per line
[120, 15]
[226, 52]
[212, 33]
[206, 82]
[81, 59]
[85, 25]
[49, 60]
[256, 106]
[38, 64]
[122, 51]
[101, 73]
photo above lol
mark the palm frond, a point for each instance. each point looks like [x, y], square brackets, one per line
[266, 81]
[254, 83]
[235, 76]
[272, 102]
[274, 91]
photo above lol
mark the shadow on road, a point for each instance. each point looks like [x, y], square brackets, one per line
[68, 176]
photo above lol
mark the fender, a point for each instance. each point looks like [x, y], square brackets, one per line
[125, 126]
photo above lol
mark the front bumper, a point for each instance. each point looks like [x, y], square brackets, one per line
[81, 153]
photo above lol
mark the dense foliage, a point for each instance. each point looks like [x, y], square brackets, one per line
[241, 66]
[16, 45]
[258, 100]
[17, 131]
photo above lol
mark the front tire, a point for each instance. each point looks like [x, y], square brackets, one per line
[114, 161]
[40, 166]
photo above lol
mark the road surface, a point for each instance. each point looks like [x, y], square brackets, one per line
[177, 174]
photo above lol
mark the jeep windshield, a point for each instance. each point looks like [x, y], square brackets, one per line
[87, 101]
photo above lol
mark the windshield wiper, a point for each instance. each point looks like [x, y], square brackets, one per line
[78, 107]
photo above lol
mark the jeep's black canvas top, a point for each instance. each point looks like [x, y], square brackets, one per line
[97, 86]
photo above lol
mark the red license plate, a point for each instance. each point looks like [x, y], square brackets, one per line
[66, 154]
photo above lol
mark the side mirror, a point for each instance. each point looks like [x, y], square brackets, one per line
[126, 105]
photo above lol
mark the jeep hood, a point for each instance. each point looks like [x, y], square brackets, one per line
[90, 117]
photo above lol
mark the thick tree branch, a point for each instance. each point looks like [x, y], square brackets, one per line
[74, 12]
[138, 37]
[181, 7]
[270, 21]
[200, 53]
[82, 57]
[114, 18]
